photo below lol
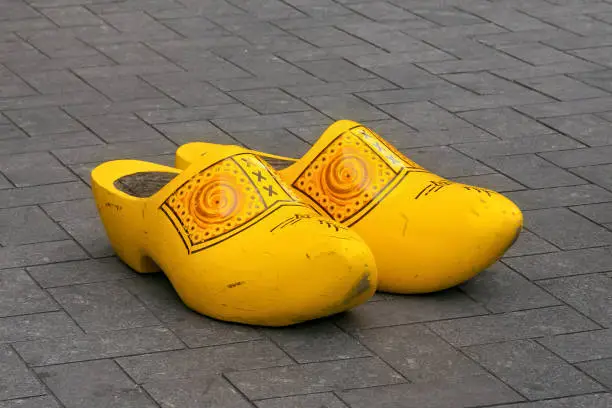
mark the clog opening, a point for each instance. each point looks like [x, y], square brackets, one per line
[143, 184]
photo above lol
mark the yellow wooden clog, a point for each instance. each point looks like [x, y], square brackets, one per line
[426, 233]
[234, 240]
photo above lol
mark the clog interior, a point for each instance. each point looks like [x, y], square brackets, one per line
[143, 184]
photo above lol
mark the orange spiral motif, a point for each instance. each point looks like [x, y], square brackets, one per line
[215, 203]
[345, 177]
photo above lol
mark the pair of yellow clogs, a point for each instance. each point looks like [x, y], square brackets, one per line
[244, 241]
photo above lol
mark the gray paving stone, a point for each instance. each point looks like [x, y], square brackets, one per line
[519, 145]
[313, 377]
[106, 107]
[16, 380]
[561, 197]
[103, 306]
[37, 326]
[58, 44]
[72, 16]
[505, 123]
[292, 79]
[115, 151]
[325, 399]
[268, 101]
[44, 121]
[345, 107]
[334, 88]
[500, 289]
[446, 161]
[597, 174]
[275, 121]
[599, 78]
[381, 11]
[589, 129]
[121, 128]
[489, 62]
[203, 361]
[534, 54]
[591, 345]
[56, 141]
[196, 392]
[4, 183]
[15, 197]
[51, 82]
[318, 341]
[406, 75]
[589, 294]
[563, 88]
[196, 131]
[68, 210]
[527, 36]
[484, 83]
[90, 234]
[599, 370]
[127, 53]
[598, 55]
[334, 70]
[528, 243]
[268, 141]
[27, 225]
[9, 131]
[448, 16]
[80, 272]
[157, 294]
[79, 384]
[477, 390]
[90, 59]
[21, 295]
[565, 108]
[404, 137]
[195, 114]
[405, 310]
[326, 36]
[32, 169]
[581, 157]
[436, 91]
[512, 326]
[41, 253]
[383, 37]
[34, 402]
[424, 116]
[195, 27]
[496, 182]
[574, 233]
[599, 213]
[528, 367]
[518, 99]
[126, 88]
[419, 354]
[533, 171]
[197, 94]
[567, 263]
[98, 346]
[528, 71]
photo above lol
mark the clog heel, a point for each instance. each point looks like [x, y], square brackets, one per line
[236, 243]
[427, 233]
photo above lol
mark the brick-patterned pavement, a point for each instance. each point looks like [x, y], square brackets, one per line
[515, 95]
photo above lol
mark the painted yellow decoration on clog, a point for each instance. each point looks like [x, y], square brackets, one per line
[235, 241]
[427, 233]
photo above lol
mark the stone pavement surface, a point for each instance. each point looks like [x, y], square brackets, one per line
[515, 95]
